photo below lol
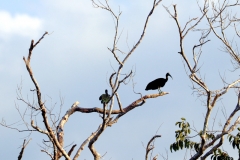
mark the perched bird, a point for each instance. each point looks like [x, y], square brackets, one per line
[157, 83]
[104, 98]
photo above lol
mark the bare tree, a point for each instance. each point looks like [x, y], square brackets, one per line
[55, 125]
[219, 19]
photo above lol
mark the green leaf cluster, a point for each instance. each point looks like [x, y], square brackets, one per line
[181, 140]
[218, 154]
[209, 136]
[234, 140]
[184, 144]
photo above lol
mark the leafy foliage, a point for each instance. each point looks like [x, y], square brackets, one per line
[234, 140]
[219, 155]
[183, 141]
[181, 137]
[209, 136]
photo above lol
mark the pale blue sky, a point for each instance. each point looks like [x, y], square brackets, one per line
[74, 61]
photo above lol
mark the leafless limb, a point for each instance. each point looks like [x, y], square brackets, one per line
[50, 155]
[155, 4]
[237, 32]
[165, 158]
[116, 84]
[83, 144]
[211, 96]
[100, 110]
[20, 98]
[60, 127]
[135, 104]
[95, 137]
[23, 147]
[150, 147]
[223, 24]
[214, 119]
[103, 155]
[154, 140]
[225, 130]
[54, 132]
[155, 158]
[116, 17]
[3, 123]
[49, 131]
[115, 90]
[71, 150]
[119, 102]
[195, 58]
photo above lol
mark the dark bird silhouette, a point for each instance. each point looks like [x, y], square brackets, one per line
[104, 98]
[157, 83]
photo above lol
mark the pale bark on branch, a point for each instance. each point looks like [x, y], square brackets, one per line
[60, 127]
[39, 97]
[110, 121]
[211, 96]
[57, 137]
[149, 146]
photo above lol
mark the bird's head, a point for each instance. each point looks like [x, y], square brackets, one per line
[168, 74]
[106, 91]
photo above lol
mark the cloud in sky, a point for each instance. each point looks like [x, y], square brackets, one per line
[19, 24]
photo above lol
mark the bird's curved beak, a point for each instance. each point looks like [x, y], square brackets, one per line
[170, 76]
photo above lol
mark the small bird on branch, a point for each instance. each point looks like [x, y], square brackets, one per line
[105, 98]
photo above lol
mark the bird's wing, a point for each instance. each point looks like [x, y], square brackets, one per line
[149, 86]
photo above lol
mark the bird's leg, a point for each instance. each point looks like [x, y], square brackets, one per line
[159, 90]
[104, 110]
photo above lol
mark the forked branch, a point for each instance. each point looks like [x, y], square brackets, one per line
[149, 146]
[49, 131]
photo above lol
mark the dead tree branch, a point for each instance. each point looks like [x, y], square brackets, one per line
[23, 147]
[149, 146]
[211, 96]
[60, 127]
[71, 150]
[49, 131]
[48, 154]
